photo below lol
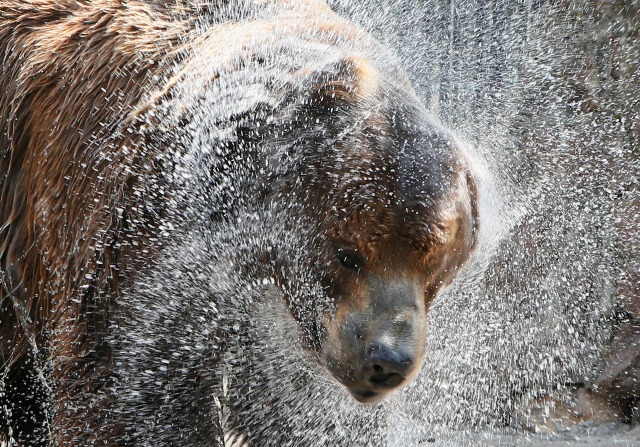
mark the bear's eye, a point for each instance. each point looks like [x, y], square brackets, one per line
[350, 260]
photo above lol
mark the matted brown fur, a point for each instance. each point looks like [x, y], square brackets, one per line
[71, 72]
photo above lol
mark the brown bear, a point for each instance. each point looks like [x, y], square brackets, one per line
[165, 167]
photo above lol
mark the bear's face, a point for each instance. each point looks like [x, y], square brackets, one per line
[376, 335]
[386, 260]
[391, 204]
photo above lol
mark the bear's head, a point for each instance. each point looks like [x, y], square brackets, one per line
[389, 208]
[366, 205]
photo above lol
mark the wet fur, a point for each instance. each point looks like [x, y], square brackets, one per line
[90, 112]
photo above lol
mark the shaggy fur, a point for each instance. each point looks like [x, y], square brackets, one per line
[128, 127]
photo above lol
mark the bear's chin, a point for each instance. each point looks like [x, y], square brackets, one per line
[368, 397]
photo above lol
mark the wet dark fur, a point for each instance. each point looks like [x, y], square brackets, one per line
[91, 114]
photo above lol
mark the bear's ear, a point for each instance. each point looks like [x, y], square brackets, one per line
[344, 83]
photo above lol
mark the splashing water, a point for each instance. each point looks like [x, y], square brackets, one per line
[544, 98]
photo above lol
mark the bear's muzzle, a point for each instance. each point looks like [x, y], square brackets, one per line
[377, 346]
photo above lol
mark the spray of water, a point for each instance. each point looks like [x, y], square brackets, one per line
[542, 96]
[545, 95]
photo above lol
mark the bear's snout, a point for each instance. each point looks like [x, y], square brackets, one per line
[377, 346]
[386, 367]
[388, 363]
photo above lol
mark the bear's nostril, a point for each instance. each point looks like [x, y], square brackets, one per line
[386, 367]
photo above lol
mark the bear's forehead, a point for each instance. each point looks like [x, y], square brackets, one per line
[389, 171]
[369, 223]
[397, 148]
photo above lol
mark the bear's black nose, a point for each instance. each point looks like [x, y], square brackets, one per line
[386, 367]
